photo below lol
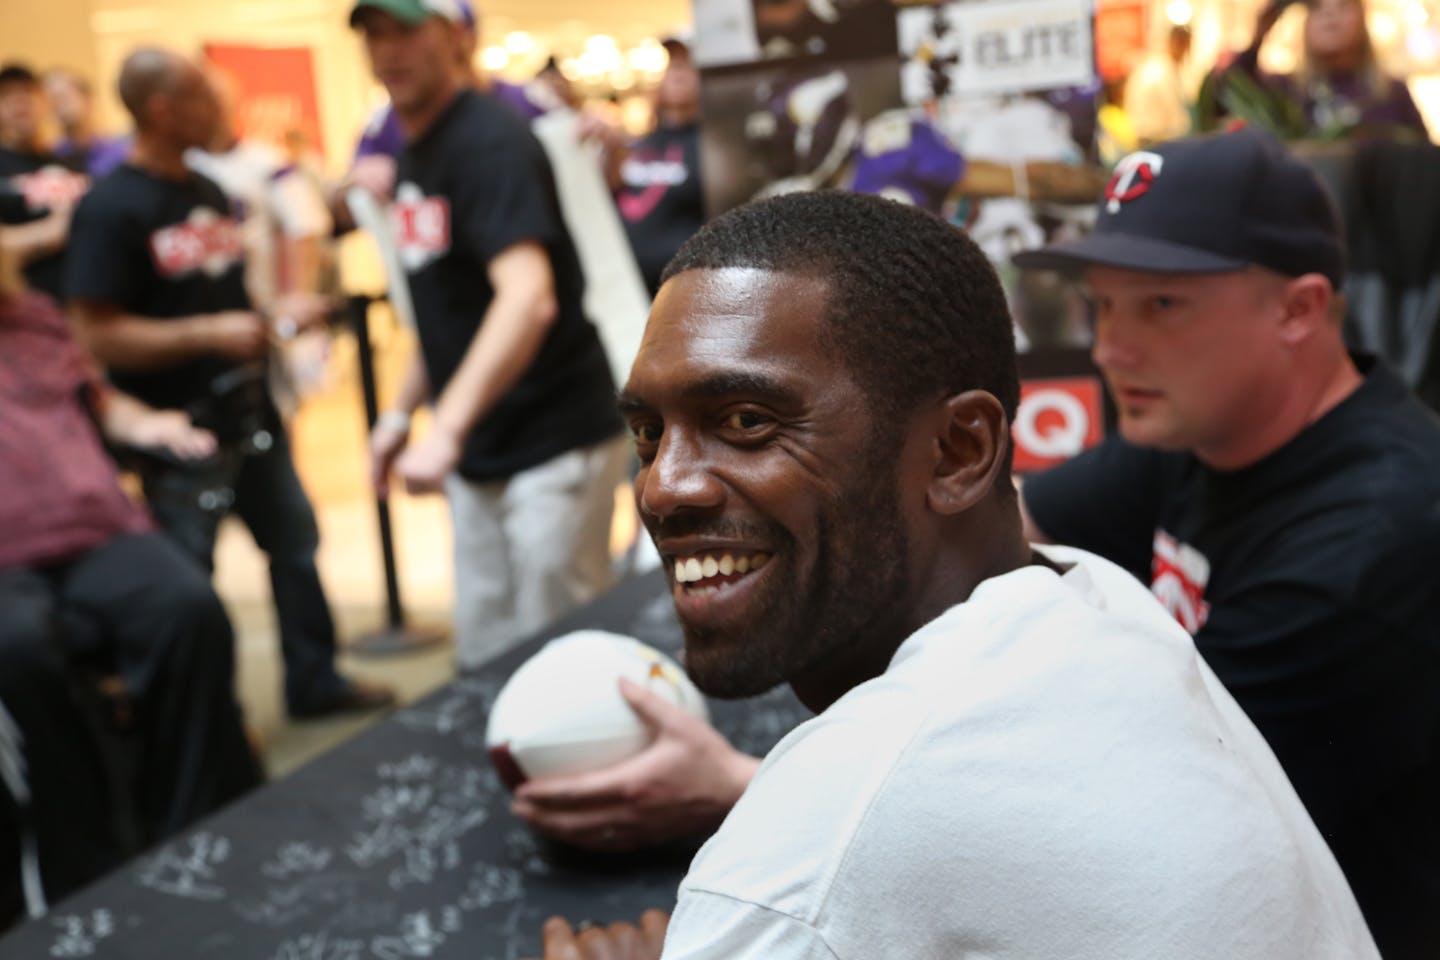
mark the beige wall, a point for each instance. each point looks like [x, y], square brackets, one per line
[93, 36]
[343, 84]
[40, 33]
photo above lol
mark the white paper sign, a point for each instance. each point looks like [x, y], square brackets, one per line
[724, 33]
[1003, 46]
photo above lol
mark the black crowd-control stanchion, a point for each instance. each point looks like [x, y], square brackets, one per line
[395, 637]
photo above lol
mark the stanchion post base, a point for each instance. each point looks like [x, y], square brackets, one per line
[394, 641]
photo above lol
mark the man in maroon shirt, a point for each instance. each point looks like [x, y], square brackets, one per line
[78, 559]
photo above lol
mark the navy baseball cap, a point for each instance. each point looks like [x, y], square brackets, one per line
[1209, 204]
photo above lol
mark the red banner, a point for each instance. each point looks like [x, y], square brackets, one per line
[1119, 38]
[274, 91]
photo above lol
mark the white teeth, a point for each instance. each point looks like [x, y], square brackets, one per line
[694, 569]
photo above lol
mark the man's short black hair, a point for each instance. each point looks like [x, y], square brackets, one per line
[18, 73]
[915, 309]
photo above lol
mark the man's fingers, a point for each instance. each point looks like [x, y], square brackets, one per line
[417, 475]
[653, 924]
[204, 442]
[559, 940]
[607, 829]
[421, 484]
[379, 477]
[654, 709]
[195, 445]
[595, 944]
[598, 788]
[619, 941]
[626, 939]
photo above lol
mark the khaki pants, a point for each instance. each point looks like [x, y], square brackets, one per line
[531, 548]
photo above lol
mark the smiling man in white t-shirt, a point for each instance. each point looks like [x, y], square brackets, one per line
[1016, 753]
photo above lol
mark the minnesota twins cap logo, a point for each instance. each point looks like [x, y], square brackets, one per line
[1133, 177]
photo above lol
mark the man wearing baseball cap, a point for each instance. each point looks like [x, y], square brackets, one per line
[525, 441]
[1280, 495]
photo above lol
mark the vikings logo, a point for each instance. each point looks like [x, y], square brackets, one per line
[1132, 178]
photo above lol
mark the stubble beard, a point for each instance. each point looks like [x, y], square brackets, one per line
[860, 579]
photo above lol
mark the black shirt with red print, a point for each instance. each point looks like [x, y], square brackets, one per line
[660, 198]
[31, 186]
[160, 249]
[1311, 583]
[476, 183]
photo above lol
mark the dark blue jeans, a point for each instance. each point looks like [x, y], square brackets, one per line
[150, 614]
[268, 497]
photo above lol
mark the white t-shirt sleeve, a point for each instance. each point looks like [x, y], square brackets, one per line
[712, 926]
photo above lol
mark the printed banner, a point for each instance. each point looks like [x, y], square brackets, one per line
[960, 108]
[274, 92]
[1119, 38]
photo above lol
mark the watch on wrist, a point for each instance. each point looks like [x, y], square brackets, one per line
[397, 420]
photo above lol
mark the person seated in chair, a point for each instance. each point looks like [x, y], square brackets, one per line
[77, 552]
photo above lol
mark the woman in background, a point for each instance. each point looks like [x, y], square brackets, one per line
[1339, 87]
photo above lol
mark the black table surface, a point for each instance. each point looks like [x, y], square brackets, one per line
[398, 844]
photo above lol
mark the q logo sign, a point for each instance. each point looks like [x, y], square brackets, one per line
[1057, 419]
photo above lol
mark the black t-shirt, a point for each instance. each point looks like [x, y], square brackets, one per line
[159, 249]
[1311, 582]
[31, 184]
[474, 184]
[660, 198]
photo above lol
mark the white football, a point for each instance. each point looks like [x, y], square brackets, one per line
[562, 713]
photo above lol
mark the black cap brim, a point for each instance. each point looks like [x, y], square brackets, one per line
[1144, 254]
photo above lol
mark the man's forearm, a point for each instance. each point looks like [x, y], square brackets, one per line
[414, 387]
[509, 340]
[127, 342]
[27, 242]
[120, 415]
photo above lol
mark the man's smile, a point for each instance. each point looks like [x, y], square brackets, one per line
[717, 587]
[706, 571]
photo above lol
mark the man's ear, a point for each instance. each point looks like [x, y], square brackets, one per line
[971, 440]
[159, 107]
[1307, 300]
